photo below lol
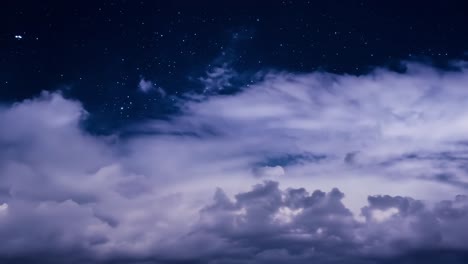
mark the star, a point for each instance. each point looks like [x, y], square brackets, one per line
[18, 37]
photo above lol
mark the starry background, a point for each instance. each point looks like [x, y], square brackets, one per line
[98, 51]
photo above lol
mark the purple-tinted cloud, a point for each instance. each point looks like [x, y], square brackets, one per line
[374, 141]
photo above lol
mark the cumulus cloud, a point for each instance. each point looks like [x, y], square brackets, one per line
[270, 225]
[389, 148]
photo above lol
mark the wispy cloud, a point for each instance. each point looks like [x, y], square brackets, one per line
[218, 78]
[146, 86]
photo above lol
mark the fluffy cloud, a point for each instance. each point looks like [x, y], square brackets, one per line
[270, 225]
[380, 139]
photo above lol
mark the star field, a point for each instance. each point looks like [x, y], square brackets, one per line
[175, 45]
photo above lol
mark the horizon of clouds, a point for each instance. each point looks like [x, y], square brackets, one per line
[388, 149]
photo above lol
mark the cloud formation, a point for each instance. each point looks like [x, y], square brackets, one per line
[270, 225]
[390, 148]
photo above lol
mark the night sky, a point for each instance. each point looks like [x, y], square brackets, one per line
[97, 51]
[233, 131]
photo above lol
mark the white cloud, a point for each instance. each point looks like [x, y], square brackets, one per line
[139, 197]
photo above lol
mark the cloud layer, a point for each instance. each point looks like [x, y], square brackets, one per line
[389, 149]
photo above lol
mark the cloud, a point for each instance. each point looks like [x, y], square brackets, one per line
[147, 86]
[268, 171]
[218, 78]
[294, 226]
[389, 148]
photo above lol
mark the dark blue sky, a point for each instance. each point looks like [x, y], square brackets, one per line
[97, 51]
